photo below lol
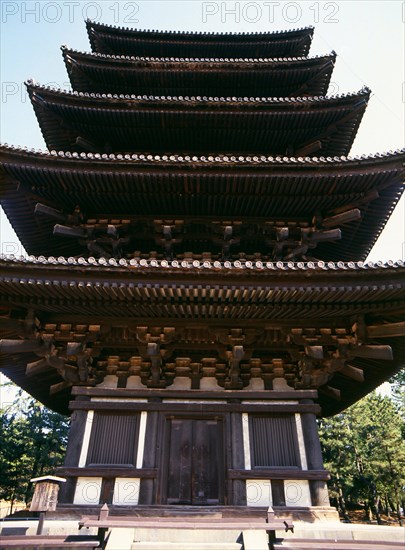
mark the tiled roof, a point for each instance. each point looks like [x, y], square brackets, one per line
[293, 76]
[235, 125]
[121, 40]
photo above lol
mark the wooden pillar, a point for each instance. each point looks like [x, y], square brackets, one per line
[147, 490]
[319, 489]
[238, 487]
[74, 447]
[277, 492]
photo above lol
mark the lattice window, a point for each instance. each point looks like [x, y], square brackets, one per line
[273, 441]
[113, 439]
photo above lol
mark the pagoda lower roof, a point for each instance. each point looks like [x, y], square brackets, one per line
[125, 41]
[297, 299]
[292, 126]
[201, 190]
[101, 73]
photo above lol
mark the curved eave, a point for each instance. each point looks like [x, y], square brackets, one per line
[14, 367]
[294, 296]
[179, 187]
[289, 292]
[124, 41]
[326, 126]
[100, 73]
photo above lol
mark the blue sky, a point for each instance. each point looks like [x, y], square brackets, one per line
[368, 37]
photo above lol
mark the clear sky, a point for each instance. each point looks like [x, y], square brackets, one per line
[368, 37]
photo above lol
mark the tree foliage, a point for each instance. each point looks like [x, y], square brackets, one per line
[32, 443]
[364, 450]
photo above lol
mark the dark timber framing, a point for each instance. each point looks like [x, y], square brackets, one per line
[196, 291]
[100, 73]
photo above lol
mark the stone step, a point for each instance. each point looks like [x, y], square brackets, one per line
[179, 536]
[337, 545]
[186, 546]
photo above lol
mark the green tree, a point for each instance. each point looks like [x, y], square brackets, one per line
[32, 443]
[364, 450]
[15, 458]
[398, 394]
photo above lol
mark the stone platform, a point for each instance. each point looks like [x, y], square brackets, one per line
[312, 536]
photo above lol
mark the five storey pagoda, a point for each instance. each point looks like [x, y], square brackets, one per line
[196, 291]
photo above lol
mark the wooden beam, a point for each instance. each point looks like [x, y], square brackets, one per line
[195, 408]
[344, 217]
[196, 394]
[50, 212]
[65, 231]
[60, 386]
[324, 236]
[104, 471]
[353, 372]
[373, 352]
[278, 473]
[314, 351]
[388, 330]
[19, 346]
[37, 367]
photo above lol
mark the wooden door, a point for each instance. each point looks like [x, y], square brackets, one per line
[195, 462]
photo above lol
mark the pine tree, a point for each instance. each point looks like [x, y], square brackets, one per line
[32, 443]
[364, 450]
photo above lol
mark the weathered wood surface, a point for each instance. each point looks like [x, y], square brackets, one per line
[279, 473]
[185, 523]
[43, 541]
[208, 408]
[100, 471]
[310, 544]
[195, 394]
[45, 497]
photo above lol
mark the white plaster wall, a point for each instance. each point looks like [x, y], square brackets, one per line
[134, 382]
[88, 490]
[255, 384]
[209, 383]
[258, 492]
[141, 439]
[180, 383]
[297, 492]
[86, 439]
[246, 440]
[126, 491]
[110, 381]
[301, 443]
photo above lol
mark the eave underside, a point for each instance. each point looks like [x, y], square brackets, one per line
[293, 128]
[193, 319]
[199, 77]
[198, 200]
[117, 41]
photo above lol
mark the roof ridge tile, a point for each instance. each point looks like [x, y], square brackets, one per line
[197, 264]
[364, 91]
[90, 23]
[221, 158]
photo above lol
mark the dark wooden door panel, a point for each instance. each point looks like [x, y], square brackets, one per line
[180, 462]
[195, 462]
[206, 461]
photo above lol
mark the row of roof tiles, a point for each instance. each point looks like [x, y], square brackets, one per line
[135, 157]
[90, 23]
[197, 264]
[273, 60]
[306, 99]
